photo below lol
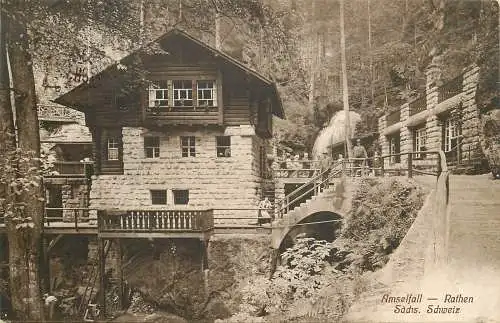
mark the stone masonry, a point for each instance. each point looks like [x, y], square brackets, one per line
[432, 117]
[229, 183]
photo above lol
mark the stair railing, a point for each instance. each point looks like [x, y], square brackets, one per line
[315, 185]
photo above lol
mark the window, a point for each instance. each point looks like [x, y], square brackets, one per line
[181, 196]
[223, 146]
[420, 141]
[158, 197]
[152, 147]
[188, 146]
[206, 93]
[452, 133]
[183, 93]
[158, 94]
[394, 148]
[113, 149]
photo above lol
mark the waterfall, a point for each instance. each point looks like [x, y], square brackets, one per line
[333, 133]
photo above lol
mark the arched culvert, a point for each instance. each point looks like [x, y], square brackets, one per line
[323, 225]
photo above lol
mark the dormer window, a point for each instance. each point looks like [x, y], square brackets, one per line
[183, 93]
[158, 94]
[182, 96]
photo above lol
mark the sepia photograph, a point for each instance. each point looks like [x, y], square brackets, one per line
[234, 161]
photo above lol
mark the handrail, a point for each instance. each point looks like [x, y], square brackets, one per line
[282, 205]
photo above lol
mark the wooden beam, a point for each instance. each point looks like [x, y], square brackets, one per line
[120, 273]
[102, 276]
[220, 96]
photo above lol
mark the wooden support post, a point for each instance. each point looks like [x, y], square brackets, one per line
[120, 273]
[46, 285]
[410, 165]
[102, 277]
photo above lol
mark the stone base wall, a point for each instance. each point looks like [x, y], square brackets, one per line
[213, 182]
[74, 196]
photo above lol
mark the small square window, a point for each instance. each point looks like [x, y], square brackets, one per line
[152, 147]
[223, 146]
[159, 197]
[181, 196]
[188, 146]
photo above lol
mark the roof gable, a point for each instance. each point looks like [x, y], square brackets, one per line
[160, 47]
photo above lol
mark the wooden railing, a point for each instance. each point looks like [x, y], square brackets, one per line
[58, 113]
[451, 88]
[418, 105]
[297, 168]
[373, 166]
[393, 117]
[75, 216]
[157, 221]
[73, 168]
[313, 187]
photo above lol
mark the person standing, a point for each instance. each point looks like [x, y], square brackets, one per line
[360, 156]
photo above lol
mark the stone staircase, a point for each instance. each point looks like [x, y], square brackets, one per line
[331, 196]
[473, 262]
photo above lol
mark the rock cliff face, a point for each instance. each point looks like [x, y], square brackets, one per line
[178, 277]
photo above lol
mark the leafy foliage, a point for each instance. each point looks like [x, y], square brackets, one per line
[19, 175]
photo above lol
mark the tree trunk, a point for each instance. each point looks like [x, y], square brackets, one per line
[344, 84]
[313, 65]
[25, 243]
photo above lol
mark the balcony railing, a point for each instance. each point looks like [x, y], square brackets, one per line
[58, 113]
[297, 168]
[450, 89]
[418, 105]
[157, 221]
[393, 117]
[72, 168]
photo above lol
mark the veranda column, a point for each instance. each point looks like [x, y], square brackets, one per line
[470, 112]
[433, 125]
[405, 134]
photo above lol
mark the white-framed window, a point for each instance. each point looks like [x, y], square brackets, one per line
[420, 141]
[394, 148]
[223, 146]
[152, 147]
[188, 148]
[183, 93]
[206, 93]
[158, 94]
[452, 133]
[113, 149]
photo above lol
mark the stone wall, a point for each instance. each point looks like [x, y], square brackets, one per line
[74, 196]
[213, 182]
[432, 118]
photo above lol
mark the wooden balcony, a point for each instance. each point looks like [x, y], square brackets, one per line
[183, 116]
[450, 88]
[72, 169]
[156, 224]
[418, 105]
[57, 113]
